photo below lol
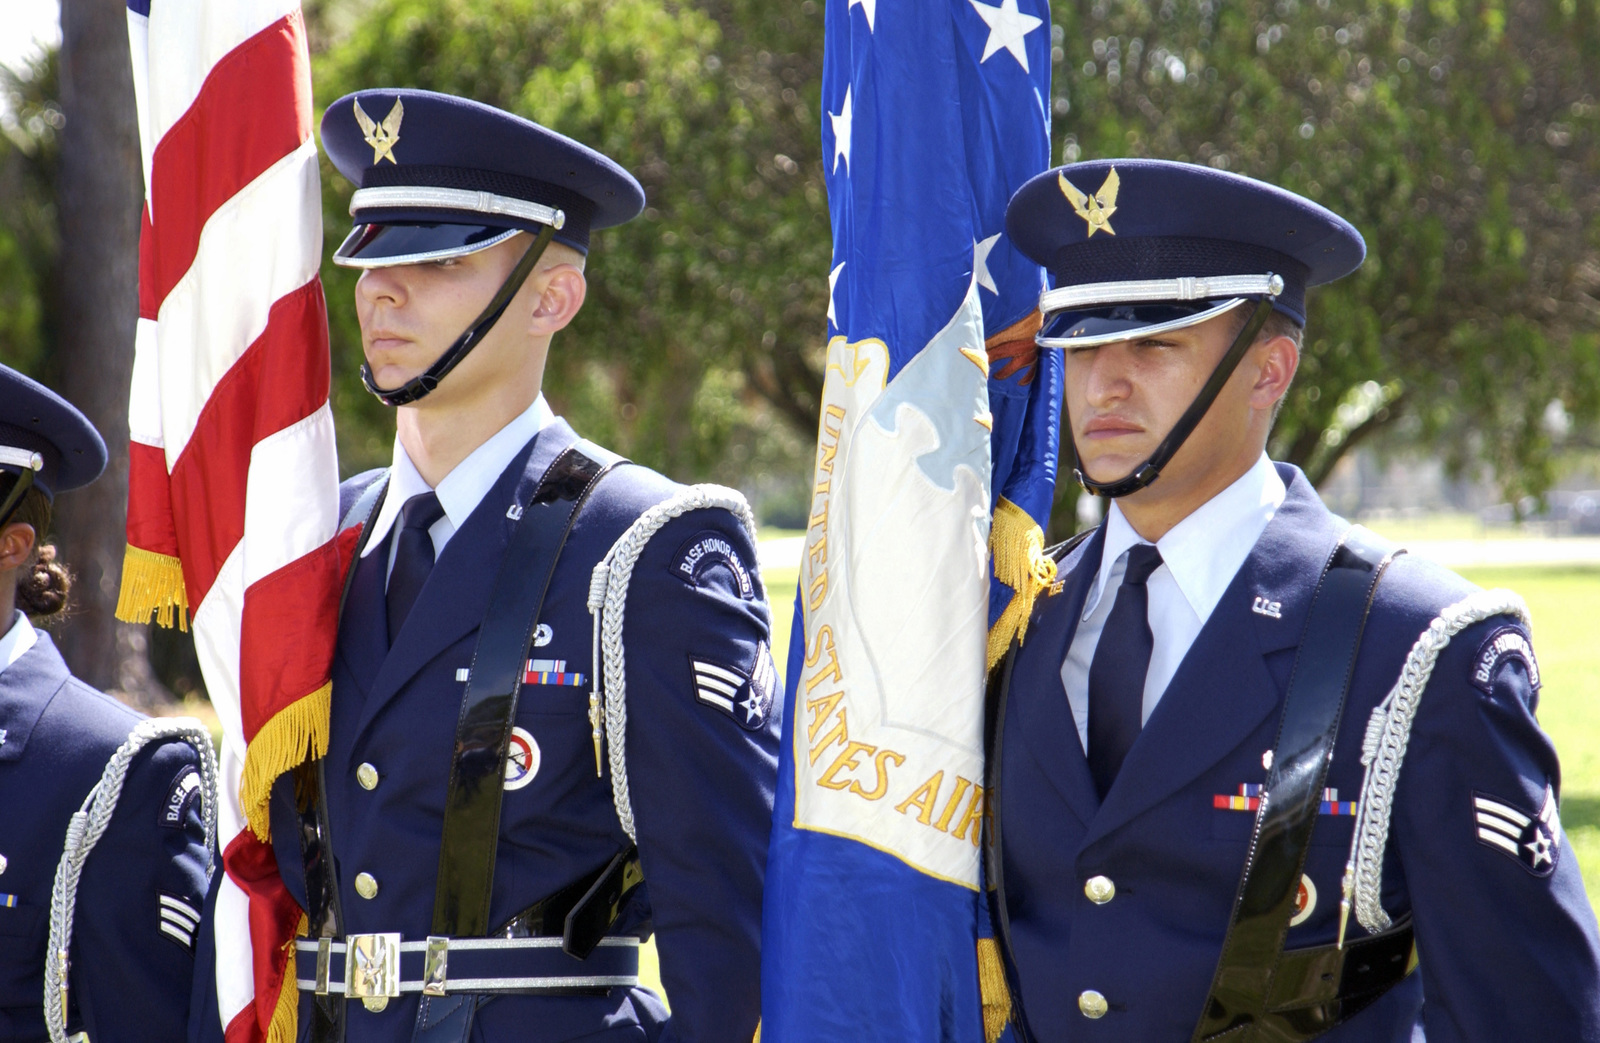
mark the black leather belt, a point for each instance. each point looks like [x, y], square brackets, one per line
[1260, 993]
[471, 833]
[472, 807]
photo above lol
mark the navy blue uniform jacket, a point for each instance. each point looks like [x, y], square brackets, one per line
[1507, 951]
[702, 778]
[130, 979]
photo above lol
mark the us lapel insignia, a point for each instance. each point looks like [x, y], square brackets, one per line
[1096, 210]
[382, 137]
[1265, 607]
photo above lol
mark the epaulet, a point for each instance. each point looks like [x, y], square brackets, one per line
[608, 595]
[1383, 751]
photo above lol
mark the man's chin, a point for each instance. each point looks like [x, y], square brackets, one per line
[1105, 470]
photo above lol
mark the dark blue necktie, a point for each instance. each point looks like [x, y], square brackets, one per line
[1117, 672]
[413, 557]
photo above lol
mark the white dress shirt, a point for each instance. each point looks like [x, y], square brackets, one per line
[464, 487]
[1200, 556]
[17, 641]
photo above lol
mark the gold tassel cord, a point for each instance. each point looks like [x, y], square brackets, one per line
[285, 1014]
[992, 989]
[152, 582]
[292, 736]
[1016, 543]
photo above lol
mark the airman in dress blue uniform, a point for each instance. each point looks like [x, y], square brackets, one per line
[138, 899]
[1147, 744]
[640, 737]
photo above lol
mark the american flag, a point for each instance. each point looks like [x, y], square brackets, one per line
[233, 489]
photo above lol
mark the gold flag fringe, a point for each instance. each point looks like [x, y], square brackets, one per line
[1017, 545]
[292, 736]
[152, 582]
[285, 1014]
[992, 988]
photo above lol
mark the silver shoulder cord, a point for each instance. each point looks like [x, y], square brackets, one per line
[85, 829]
[1384, 750]
[608, 595]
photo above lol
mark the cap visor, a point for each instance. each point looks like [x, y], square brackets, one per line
[386, 245]
[1092, 328]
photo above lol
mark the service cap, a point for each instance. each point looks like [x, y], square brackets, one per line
[439, 176]
[43, 433]
[1141, 246]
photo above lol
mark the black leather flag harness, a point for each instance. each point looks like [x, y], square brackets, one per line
[557, 945]
[1261, 992]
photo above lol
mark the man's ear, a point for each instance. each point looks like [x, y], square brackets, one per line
[1279, 360]
[561, 292]
[16, 545]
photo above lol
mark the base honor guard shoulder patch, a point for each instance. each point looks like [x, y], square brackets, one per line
[183, 792]
[1531, 839]
[744, 695]
[707, 551]
[1506, 643]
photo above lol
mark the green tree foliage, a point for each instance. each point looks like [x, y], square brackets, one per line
[699, 348]
[1460, 136]
[30, 125]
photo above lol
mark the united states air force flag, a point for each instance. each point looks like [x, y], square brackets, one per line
[937, 416]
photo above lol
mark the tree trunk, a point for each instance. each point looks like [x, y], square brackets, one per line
[99, 194]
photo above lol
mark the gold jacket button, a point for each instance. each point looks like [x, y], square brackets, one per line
[367, 775]
[366, 885]
[1099, 889]
[1092, 1004]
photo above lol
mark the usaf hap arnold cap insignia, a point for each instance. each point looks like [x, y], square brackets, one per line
[1137, 247]
[44, 435]
[438, 176]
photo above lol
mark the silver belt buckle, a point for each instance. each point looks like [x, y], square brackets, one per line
[372, 969]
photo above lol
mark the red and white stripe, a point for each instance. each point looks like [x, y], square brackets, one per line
[233, 468]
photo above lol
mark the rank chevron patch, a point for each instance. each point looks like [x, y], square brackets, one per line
[747, 698]
[179, 919]
[1532, 841]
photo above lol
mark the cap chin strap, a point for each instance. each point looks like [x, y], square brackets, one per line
[30, 463]
[420, 386]
[1150, 470]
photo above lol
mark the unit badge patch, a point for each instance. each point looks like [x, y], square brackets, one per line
[1305, 901]
[1533, 840]
[747, 698]
[1505, 643]
[179, 919]
[522, 759]
[184, 792]
[709, 550]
